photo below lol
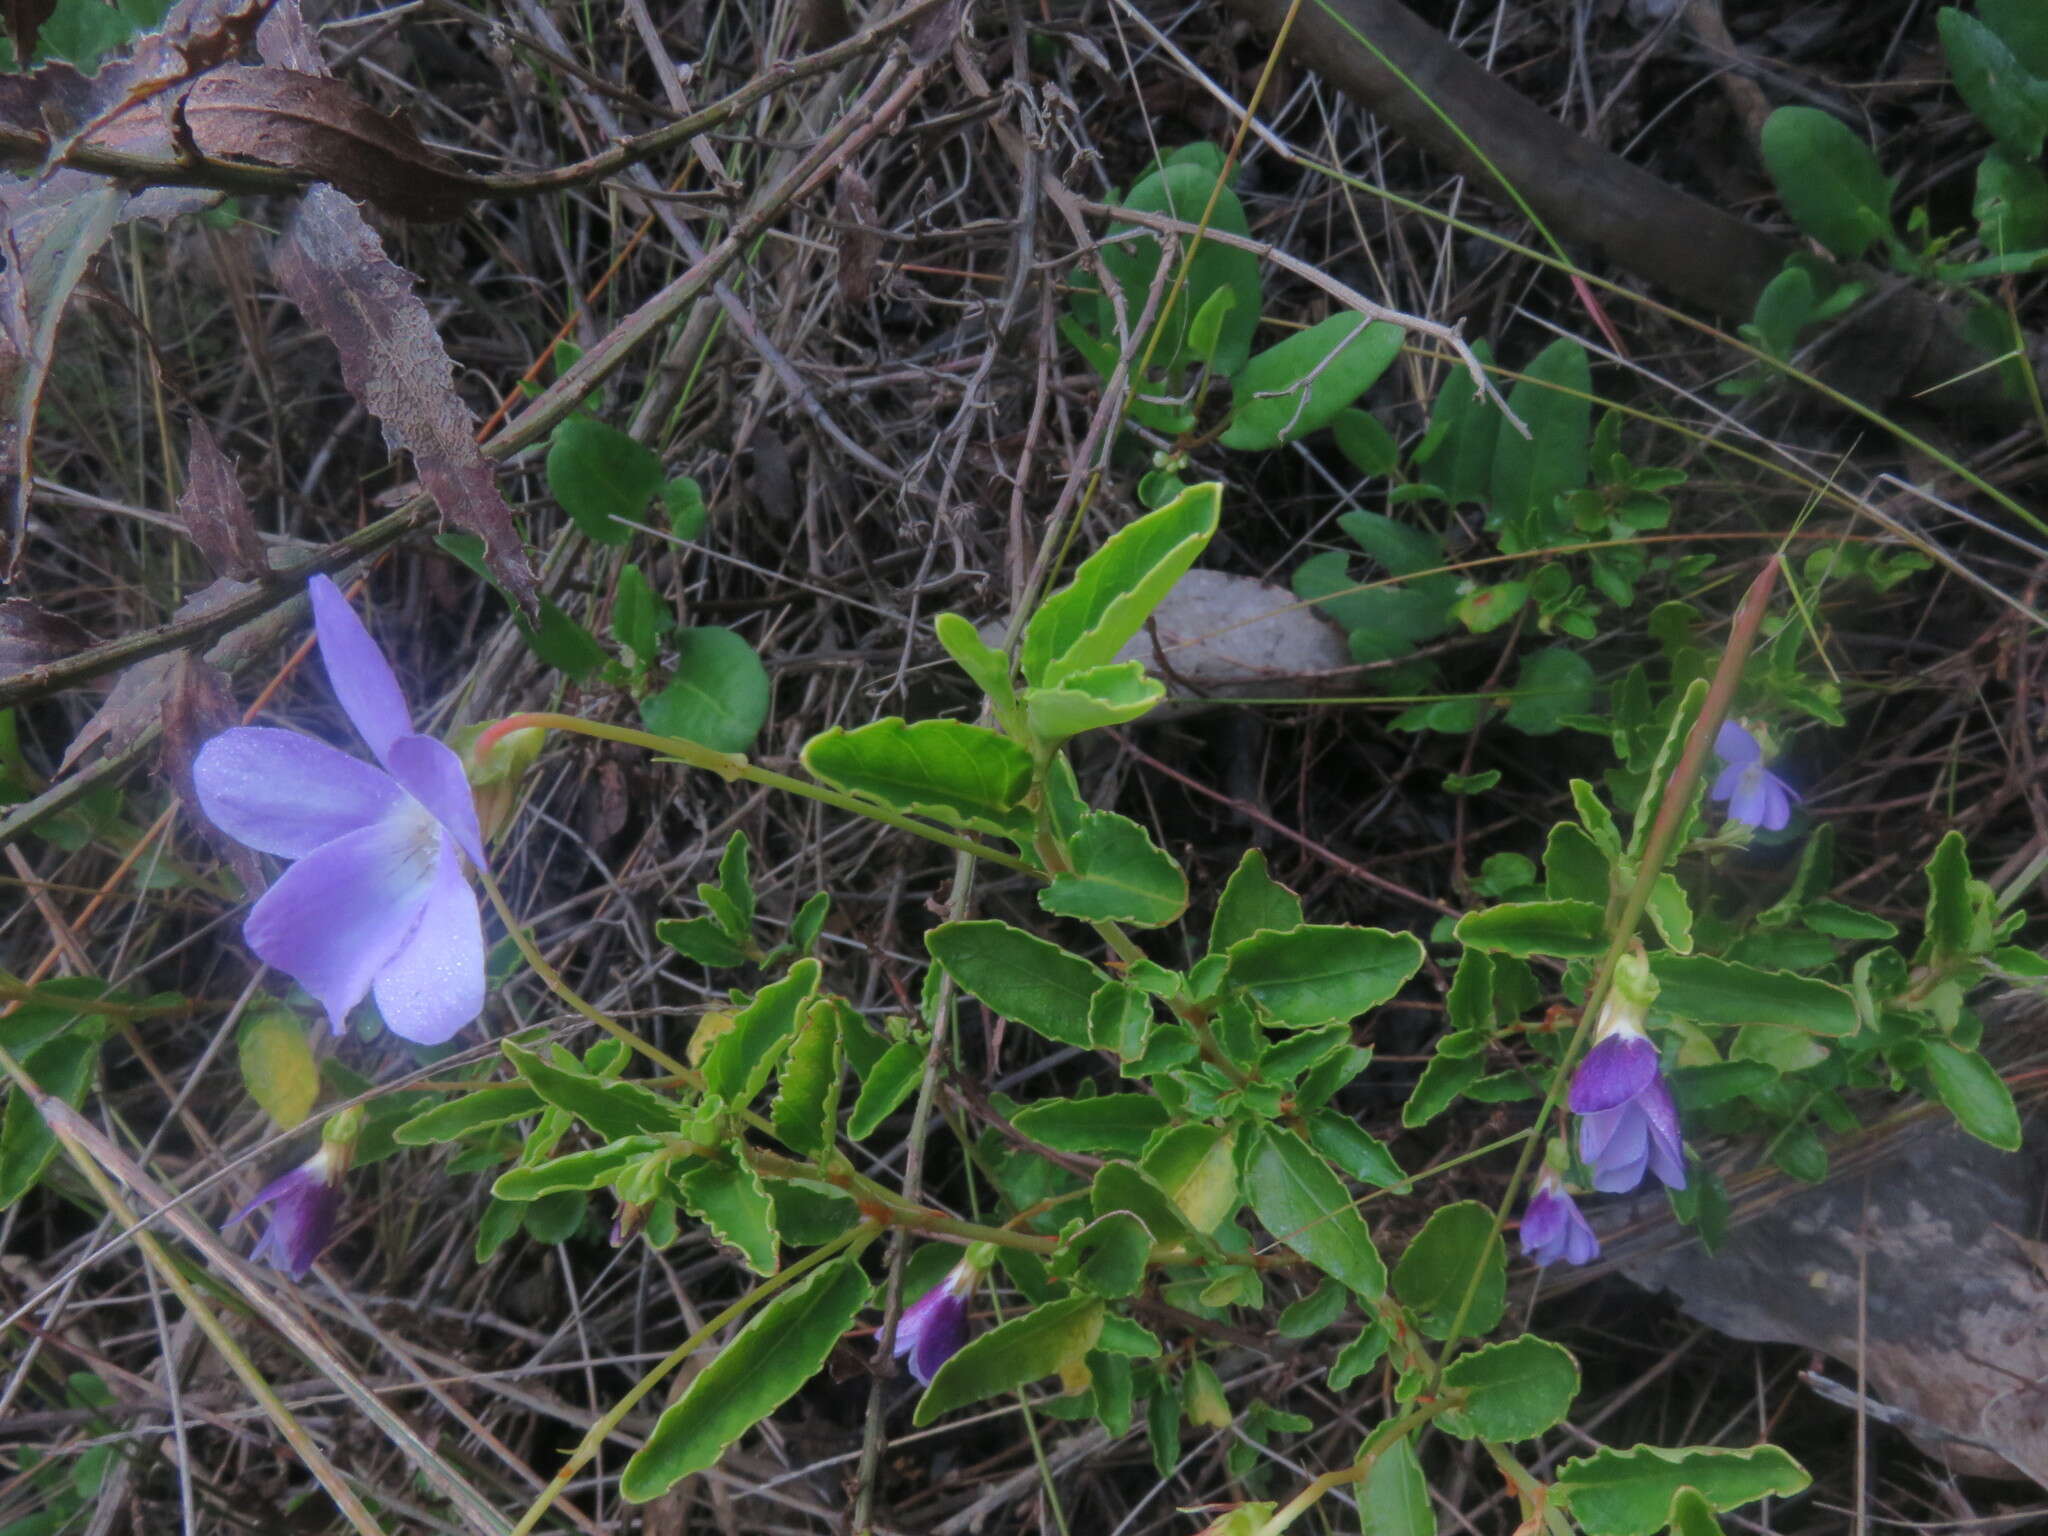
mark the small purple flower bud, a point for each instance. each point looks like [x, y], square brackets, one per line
[304, 1204]
[1553, 1228]
[1754, 795]
[933, 1327]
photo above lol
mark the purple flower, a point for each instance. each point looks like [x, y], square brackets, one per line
[377, 897]
[303, 1205]
[1627, 1122]
[1552, 1227]
[933, 1327]
[1755, 795]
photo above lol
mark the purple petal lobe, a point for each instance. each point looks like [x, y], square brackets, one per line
[1727, 783]
[435, 983]
[286, 794]
[1736, 745]
[360, 675]
[432, 774]
[1775, 804]
[337, 916]
[1614, 1071]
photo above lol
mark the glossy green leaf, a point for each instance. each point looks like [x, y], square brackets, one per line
[1119, 875]
[1205, 331]
[1554, 399]
[1185, 190]
[1369, 446]
[988, 667]
[702, 939]
[1116, 1123]
[1692, 1515]
[1298, 385]
[1091, 701]
[1320, 973]
[1715, 991]
[62, 1067]
[782, 1346]
[1121, 1186]
[1040, 1343]
[729, 1199]
[600, 476]
[964, 774]
[1828, 179]
[636, 614]
[1023, 978]
[2000, 92]
[737, 1066]
[477, 1111]
[592, 1168]
[1515, 1390]
[882, 1092]
[1457, 1255]
[2022, 25]
[1252, 902]
[1974, 1093]
[717, 693]
[1951, 930]
[1550, 685]
[1304, 1204]
[1106, 1256]
[1393, 1500]
[1084, 624]
[1570, 929]
[1629, 1493]
[1119, 1019]
[806, 1109]
[683, 499]
[614, 1110]
[1354, 1150]
[1195, 1166]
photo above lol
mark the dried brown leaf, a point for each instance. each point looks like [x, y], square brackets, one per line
[860, 243]
[333, 266]
[197, 706]
[216, 513]
[135, 705]
[31, 636]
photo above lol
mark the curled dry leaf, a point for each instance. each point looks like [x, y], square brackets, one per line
[31, 636]
[333, 266]
[197, 707]
[217, 515]
[860, 243]
[134, 707]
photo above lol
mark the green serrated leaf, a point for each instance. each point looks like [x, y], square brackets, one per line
[1304, 1204]
[806, 1109]
[477, 1111]
[1570, 929]
[887, 1084]
[1515, 1390]
[729, 1199]
[737, 1066]
[779, 1349]
[1716, 991]
[1045, 1340]
[1117, 1123]
[1322, 974]
[1252, 902]
[1629, 1493]
[1023, 978]
[1119, 875]
[1454, 1274]
[1298, 385]
[1974, 1093]
[590, 1169]
[614, 1110]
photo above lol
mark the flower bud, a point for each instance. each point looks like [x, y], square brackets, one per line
[495, 765]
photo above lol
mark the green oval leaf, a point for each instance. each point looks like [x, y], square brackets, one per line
[1321, 973]
[278, 1065]
[1828, 179]
[1299, 385]
[1042, 1341]
[1023, 978]
[781, 1347]
[1119, 875]
[1305, 1205]
[600, 475]
[1456, 1254]
[1974, 1093]
[1569, 929]
[1516, 1390]
[1715, 991]
[717, 693]
[1629, 1493]
[964, 774]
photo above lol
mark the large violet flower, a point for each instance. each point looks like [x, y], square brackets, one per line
[377, 899]
[1553, 1228]
[303, 1206]
[933, 1327]
[1754, 794]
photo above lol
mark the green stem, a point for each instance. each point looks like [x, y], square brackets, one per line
[1377, 1444]
[733, 765]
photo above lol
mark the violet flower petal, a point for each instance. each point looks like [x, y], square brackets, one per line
[1553, 1228]
[357, 670]
[431, 773]
[1735, 745]
[1666, 1145]
[286, 794]
[932, 1329]
[1728, 783]
[336, 918]
[434, 985]
[303, 1206]
[1614, 1071]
